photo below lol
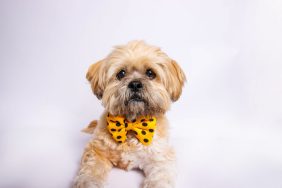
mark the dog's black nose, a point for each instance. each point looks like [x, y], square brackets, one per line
[135, 85]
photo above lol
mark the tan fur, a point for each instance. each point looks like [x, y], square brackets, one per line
[95, 75]
[90, 128]
[177, 80]
[102, 153]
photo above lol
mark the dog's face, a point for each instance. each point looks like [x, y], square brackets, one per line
[136, 79]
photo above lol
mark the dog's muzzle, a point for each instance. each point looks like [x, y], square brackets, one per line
[135, 86]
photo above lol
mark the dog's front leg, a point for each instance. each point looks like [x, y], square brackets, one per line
[160, 174]
[93, 171]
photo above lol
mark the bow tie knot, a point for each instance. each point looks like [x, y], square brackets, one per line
[143, 127]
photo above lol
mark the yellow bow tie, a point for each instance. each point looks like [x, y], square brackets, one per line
[143, 127]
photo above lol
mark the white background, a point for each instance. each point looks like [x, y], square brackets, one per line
[226, 127]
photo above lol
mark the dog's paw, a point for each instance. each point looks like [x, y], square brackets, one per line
[84, 181]
[157, 184]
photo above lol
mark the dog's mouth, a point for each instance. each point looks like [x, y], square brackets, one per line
[134, 98]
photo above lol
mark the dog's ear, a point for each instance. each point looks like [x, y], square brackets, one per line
[96, 76]
[176, 79]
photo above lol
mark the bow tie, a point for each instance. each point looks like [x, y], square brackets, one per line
[143, 127]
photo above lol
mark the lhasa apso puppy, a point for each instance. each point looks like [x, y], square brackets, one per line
[136, 83]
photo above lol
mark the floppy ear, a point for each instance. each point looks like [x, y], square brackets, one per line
[96, 76]
[176, 79]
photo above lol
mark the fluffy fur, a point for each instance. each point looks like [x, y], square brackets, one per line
[102, 152]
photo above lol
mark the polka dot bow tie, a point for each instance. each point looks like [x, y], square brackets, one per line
[143, 127]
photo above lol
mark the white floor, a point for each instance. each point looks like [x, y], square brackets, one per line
[211, 153]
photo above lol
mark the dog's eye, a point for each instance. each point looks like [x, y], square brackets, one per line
[121, 74]
[150, 73]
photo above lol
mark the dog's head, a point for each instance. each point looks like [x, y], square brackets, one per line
[136, 79]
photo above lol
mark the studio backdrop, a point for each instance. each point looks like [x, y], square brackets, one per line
[226, 127]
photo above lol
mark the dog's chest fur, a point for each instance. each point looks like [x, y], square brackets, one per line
[131, 154]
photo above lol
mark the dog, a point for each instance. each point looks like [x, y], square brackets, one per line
[136, 83]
